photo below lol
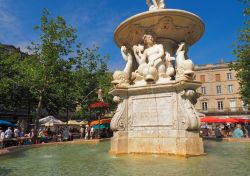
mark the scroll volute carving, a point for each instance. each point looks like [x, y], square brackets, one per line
[119, 120]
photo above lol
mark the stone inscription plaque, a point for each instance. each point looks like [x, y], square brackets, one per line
[152, 111]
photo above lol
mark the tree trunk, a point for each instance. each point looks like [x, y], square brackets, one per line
[38, 115]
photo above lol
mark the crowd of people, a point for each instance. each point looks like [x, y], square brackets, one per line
[16, 133]
[91, 133]
[220, 130]
[17, 136]
[14, 136]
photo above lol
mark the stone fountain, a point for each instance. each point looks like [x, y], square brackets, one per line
[156, 91]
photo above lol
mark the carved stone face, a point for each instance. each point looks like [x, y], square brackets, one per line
[148, 40]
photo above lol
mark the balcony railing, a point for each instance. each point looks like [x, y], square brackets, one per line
[225, 111]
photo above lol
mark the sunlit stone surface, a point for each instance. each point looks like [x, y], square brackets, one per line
[156, 90]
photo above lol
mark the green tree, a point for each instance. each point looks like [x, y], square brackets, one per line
[48, 69]
[91, 74]
[60, 73]
[12, 95]
[242, 52]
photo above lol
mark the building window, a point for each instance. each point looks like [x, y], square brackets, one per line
[217, 77]
[202, 78]
[232, 105]
[218, 89]
[230, 88]
[220, 105]
[229, 76]
[203, 90]
[204, 106]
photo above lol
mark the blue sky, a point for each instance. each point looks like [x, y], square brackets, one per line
[96, 20]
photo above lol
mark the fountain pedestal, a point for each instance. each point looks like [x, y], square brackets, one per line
[156, 90]
[156, 118]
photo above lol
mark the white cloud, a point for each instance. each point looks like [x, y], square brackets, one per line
[23, 45]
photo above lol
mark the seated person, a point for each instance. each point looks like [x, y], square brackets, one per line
[16, 132]
[66, 135]
[21, 133]
[238, 133]
[8, 133]
[217, 132]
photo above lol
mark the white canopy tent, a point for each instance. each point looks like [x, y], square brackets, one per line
[50, 121]
[74, 122]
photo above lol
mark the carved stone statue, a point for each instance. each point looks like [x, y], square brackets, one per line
[129, 59]
[184, 66]
[120, 79]
[123, 78]
[154, 92]
[141, 60]
[118, 122]
[169, 60]
[187, 99]
[155, 4]
[150, 59]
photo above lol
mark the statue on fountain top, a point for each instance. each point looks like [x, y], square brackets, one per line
[155, 4]
[150, 59]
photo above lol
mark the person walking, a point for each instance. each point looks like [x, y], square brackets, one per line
[92, 132]
[87, 132]
[81, 131]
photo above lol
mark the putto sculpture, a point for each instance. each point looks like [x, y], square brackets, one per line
[153, 64]
[150, 58]
[155, 4]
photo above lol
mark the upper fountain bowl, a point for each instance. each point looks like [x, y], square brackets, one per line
[165, 24]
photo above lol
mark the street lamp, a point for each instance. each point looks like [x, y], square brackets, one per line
[100, 97]
[100, 94]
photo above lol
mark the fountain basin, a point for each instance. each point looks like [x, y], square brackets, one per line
[169, 25]
[224, 158]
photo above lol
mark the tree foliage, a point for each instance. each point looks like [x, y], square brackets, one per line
[13, 96]
[242, 52]
[44, 72]
[59, 73]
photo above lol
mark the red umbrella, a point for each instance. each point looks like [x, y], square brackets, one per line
[231, 120]
[211, 120]
[243, 120]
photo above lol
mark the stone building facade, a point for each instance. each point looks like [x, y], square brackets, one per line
[219, 90]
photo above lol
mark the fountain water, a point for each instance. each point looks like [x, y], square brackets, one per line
[165, 121]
